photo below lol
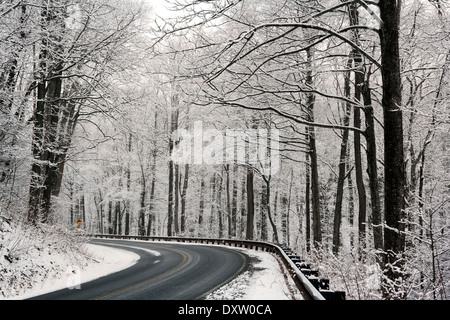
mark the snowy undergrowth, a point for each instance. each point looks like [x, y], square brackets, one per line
[31, 254]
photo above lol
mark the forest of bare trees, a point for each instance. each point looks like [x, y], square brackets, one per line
[319, 124]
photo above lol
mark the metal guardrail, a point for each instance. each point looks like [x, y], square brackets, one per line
[307, 281]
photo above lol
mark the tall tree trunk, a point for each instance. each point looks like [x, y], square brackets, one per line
[250, 223]
[98, 200]
[250, 205]
[234, 200]
[142, 209]
[372, 168]
[219, 202]
[170, 204]
[83, 208]
[360, 188]
[243, 206]
[51, 155]
[342, 173]
[201, 210]
[228, 193]
[176, 199]
[127, 202]
[263, 209]
[288, 209]
[269, 211]
[183, 198]
[37, 178]
[69, 119]
[212, 187]
[151, 213]
[110, 218]
[315, 190]
[170, 198]
[342, 161]
[394, 174]
[359, 81]
[116, 219]
[71, 199]
[308, 196]
[351, 207]
[45, 170]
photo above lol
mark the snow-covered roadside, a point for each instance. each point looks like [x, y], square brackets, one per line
[103, 261]
[265, 280]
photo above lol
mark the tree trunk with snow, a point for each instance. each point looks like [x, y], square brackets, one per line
[394, 173]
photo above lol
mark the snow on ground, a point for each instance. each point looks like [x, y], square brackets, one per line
[36, 260]
[102, 261]
[265, 280]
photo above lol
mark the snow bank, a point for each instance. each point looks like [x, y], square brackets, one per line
[28, 255]
[102, 261]
[265, 280]
[38, 260]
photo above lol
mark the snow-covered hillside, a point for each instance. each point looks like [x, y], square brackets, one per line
[29, 256]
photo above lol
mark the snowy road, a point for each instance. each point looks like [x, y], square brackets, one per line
[163, 272]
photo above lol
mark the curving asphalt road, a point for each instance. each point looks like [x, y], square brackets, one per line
[180, 272]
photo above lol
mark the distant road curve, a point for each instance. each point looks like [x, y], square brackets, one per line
[180, 272]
